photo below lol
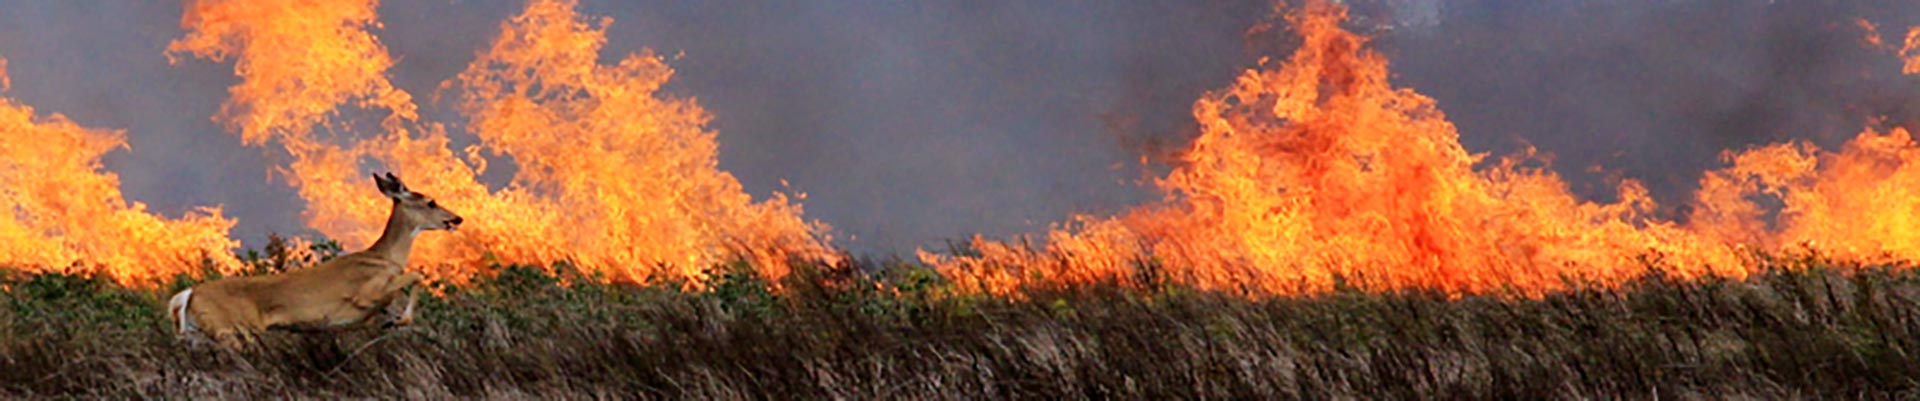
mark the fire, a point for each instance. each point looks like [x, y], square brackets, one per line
[1309, 173]
[1872, 38]
[1857, 203]
[611, 174]
[309, 58]
[631, 175]
[1910, 52]
[1318, 170]
[65, 213]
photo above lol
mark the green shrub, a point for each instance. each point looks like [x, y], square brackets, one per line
[79, 301]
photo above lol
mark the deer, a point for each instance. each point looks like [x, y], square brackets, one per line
[343, 293]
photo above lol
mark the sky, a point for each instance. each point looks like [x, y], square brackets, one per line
[911, 123]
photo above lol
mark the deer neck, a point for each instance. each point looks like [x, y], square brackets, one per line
[396, 241]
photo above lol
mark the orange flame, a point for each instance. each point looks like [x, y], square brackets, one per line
[611, 174]
[298, 62]
[1318, 170]
[1872, 38]
[64, 212]
[1858, 203]
[1910, 52]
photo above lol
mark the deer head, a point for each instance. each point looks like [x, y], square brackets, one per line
[414, 210]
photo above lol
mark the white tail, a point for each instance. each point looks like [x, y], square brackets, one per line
[177, 309]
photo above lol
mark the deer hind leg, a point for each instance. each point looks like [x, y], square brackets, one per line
[229, 326]
[233, 337]
[234, 345]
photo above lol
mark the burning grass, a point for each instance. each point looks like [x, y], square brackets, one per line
[1806, 326]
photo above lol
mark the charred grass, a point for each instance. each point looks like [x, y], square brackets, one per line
[1809, 328]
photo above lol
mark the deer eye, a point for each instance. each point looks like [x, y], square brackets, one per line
[433, 204]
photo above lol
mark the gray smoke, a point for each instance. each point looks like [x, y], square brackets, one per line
[908, 123]
[1655, 90]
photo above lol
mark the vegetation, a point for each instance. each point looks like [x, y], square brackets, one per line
[1808, 328]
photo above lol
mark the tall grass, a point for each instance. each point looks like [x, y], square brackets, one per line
[1808, 328]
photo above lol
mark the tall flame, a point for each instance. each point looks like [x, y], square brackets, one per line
[62, 211]
[612, 174]
[1317, 170]
[631, 175]
[299, 61]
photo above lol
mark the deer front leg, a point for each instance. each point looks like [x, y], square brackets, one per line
[381, 290]
[402, 317]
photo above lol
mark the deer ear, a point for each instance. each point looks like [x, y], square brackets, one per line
[390, 186]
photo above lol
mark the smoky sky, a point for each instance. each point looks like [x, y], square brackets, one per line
[910, 123]
[1656, 90]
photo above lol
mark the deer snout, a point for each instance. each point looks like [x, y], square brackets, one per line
[454, 222]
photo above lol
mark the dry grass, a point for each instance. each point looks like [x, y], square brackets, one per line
[1810, 329]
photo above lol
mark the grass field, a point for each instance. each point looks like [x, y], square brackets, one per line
[1808, 328]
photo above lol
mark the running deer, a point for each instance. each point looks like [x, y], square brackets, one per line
[345, 292]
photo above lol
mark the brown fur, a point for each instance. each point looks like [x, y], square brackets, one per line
[345, 292]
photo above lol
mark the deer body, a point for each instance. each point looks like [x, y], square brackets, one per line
[344, 292]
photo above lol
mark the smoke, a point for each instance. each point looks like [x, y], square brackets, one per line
[910, 123]
[1657, 90]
